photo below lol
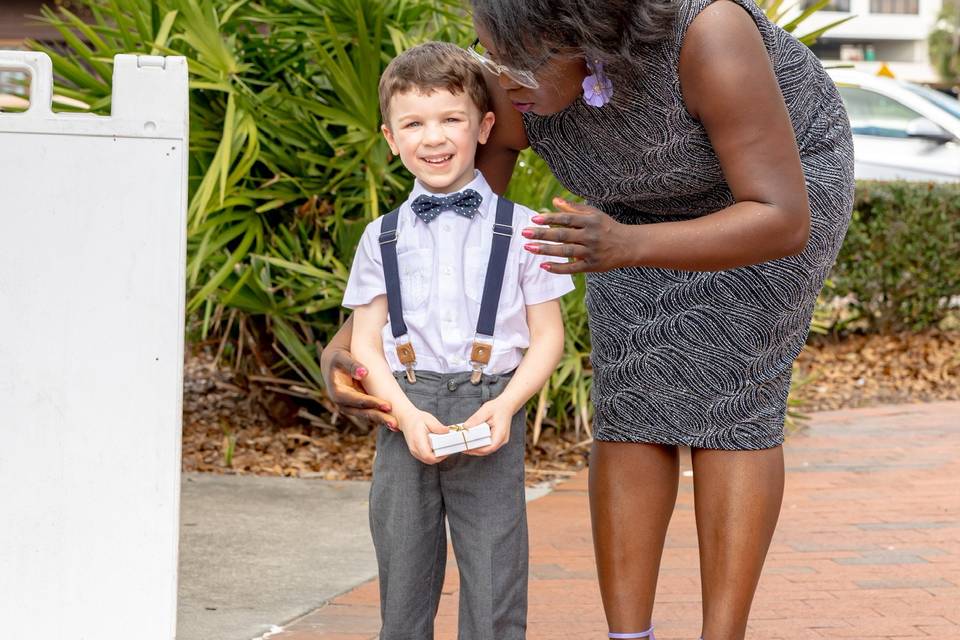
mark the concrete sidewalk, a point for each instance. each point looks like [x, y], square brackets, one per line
[256, 552]
[868, 545]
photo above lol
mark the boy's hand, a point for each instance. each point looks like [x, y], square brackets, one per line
[499, 416]
[416, 425]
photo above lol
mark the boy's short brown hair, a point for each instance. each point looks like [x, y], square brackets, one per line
[431, 66]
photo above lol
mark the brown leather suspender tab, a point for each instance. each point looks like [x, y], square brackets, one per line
[479, 358]
[408, 358]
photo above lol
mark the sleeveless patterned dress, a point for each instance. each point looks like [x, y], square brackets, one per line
[701, 359]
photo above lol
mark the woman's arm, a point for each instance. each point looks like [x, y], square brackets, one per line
[341, 377]
[729, 85]
[545, 321]
[366, 344]
[497, 158]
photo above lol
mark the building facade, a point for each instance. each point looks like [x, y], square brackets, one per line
[891, 32]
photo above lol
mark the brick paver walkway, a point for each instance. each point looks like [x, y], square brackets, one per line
[868, 545]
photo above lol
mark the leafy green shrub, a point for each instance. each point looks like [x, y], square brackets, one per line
[900, 262]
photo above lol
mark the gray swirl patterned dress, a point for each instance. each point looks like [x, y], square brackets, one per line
[701, 359]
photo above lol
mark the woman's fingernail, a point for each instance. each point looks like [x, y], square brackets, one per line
[545, 266]
[532, 248]
[361, 372]
[527, 233]
[384, 407]
[561, 201]
[538, 219]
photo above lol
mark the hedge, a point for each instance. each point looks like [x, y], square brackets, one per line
[899, 266]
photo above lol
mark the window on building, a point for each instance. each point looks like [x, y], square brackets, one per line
[873, 114]
[832, 5]
[895, 6]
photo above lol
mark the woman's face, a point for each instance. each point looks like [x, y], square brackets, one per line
[560, 78]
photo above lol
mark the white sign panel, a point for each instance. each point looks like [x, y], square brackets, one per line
[92, 261]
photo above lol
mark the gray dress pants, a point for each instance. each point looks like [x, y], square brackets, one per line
[483, 499]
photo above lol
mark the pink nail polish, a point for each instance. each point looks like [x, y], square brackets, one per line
[537, 219]
[361, 372]
[545, 266]
[532, 248]
[527, 233]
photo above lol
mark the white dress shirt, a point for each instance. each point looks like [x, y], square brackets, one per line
[442, 269]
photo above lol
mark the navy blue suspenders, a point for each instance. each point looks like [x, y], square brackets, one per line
[489, 303]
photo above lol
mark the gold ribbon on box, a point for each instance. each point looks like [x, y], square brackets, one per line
[462, 430]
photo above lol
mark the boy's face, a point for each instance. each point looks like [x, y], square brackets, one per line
[436, 136]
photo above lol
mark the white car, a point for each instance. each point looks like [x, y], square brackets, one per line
[901, 130]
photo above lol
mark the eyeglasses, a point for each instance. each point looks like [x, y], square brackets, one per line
[521, 77]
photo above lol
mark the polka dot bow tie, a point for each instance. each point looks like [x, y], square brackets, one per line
[464, 203]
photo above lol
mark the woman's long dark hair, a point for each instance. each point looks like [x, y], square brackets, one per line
[526, 32]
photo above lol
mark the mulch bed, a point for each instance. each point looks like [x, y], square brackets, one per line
[229, 428]
[861, 371]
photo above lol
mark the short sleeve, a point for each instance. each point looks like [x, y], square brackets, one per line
[539, 285]
[366, 275]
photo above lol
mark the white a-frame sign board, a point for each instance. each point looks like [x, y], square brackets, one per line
[92, 251]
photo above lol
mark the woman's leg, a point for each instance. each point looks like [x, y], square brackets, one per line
[737, 496]
[633, 488]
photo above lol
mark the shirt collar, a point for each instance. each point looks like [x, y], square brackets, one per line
[478, 184]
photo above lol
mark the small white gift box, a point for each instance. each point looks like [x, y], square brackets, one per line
[460, 439]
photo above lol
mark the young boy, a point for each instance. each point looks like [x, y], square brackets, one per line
[449, 352]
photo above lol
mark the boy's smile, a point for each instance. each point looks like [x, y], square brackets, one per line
[436, 136]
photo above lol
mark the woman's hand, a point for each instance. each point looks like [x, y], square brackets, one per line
[341, 377]
[591, 238]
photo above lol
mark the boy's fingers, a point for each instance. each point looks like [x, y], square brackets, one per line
[430, 458]
[475, 419]
[485, 451]
[436, 427]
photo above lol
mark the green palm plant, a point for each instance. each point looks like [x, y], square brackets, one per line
[286, 161]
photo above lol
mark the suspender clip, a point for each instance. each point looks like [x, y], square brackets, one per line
[408, 358]
[479, 358]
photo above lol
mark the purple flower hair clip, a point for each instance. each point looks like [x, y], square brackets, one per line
[597, 88]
